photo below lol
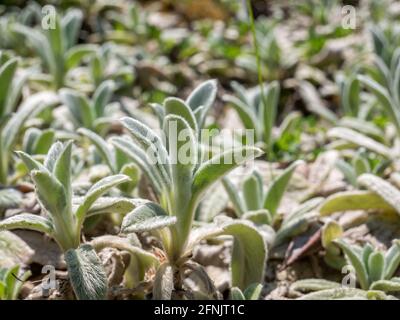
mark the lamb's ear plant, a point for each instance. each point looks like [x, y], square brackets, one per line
[199, 103]
[257, 109]
[11, 126]
[381, 195]
[109, 64]
[347, 138]
[260, 205]
[386, 85]
[359, 164]
[89, 113]
[64, 216]
[252, 292]
[115, 159]
[180, 178]
[350, 96]
[11, 281]
[253, 197]
[374, 271]
[38, 141]
[10, 84]
[329, 233]
[56, 47]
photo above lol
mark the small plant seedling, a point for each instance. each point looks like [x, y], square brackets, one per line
[65, 216]
[180, 182]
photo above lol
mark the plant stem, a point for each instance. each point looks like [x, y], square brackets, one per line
[260, 78]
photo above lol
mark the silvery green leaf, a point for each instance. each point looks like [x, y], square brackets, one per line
[240, 91]
[252, 192]
[152, 145]
[86, 273]
[234, 196]
[384, 98]
[200, 114]
[102, 147]
[351, 96]
[55, 202]
[303, 210]
[71, 25]
[11, 281]
[353, 200]
[298, 220]
[79, 107]
[260, 216]
[204, 286]
[357, 262]
[248, 255]
[159, 110]
[102, 96]
[365, 254]
[133, 172]
[29, 108]
[27, 221]
[268, 111]
[140, 158]
[9, 198]
[57, 44]
[111, 205]
[43, 142]
[244, 112]
[362, 126]
[52, 156]
[75, 55]
[348, 171]
[342, 294]
[215, 168]
[308, 285]
[384, 189]
[163, 283]
[360, 140]
[396, 76]
[30, 163]
[278, 187]
[392, 260]
[182, 148]
[314, 103]
[361, 164]
[386, 285]
[62, 168]
[39, 42]
[200, 233]
[203, 95]
[253, 291]
[30, 137]
[96, 191]
[330, 231]
[7, 71]
[380, 42]
[183, 155]
[291, 229]
[236, 294]
[13, 250]
[178, 107]
[148, 216]
[376, 265]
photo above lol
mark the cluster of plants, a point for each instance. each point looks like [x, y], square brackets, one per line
[174, 151]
